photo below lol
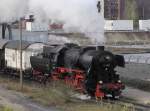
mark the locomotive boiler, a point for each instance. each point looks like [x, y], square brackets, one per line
[88, 68]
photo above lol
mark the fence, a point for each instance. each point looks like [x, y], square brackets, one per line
[138, 58]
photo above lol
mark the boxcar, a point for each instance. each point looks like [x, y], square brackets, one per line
[12, 54]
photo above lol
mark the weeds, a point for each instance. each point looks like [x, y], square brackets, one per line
[5, 108]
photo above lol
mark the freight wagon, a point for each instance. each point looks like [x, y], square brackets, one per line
[144, 25]
[12, 54]
[118, 25]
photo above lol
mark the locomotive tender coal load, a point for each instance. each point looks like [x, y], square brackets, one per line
[90, 69]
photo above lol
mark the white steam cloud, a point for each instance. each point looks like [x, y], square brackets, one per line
[11, 10]
[77, 15]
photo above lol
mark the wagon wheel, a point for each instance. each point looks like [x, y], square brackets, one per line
[114, 96]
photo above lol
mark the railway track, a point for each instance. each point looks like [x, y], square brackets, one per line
[124, 102]
[137, 106]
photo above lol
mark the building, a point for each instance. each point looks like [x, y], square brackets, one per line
[143, 9]
[114, 9]
[117, 9]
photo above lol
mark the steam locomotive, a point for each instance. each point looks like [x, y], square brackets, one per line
[90, 69]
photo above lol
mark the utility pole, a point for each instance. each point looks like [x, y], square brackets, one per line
[119, 9]
[143, 13]
[21, 73]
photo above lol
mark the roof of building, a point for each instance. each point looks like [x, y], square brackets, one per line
[15, 44]
[3, 42]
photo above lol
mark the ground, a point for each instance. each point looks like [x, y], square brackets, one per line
[135, 71]
[19, 102]
[44, 99]
[140, 96]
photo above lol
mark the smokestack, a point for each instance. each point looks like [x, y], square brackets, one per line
[9, 31]
[4, 27]
[31, 18]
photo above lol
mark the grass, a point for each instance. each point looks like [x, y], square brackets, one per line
[5, 108]
[99, 107]
[56, 94]
[59, 95]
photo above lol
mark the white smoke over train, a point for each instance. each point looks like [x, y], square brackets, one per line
[77, 15]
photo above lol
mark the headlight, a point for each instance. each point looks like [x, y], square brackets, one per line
[119, 81]
[100, 82]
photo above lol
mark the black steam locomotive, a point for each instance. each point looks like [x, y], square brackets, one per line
[90, 69]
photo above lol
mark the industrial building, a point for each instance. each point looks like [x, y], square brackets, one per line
[114, 9]
[143, 9]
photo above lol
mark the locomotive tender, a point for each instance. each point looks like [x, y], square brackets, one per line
[90, 69]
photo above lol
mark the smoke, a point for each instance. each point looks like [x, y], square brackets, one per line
[77, 15]
[11, 10]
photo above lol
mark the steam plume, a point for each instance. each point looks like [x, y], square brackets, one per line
[11, 10]
[77, 15]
